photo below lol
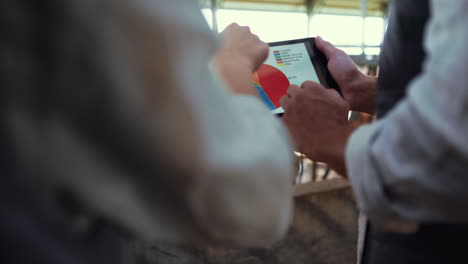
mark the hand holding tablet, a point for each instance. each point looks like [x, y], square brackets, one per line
[291, 62]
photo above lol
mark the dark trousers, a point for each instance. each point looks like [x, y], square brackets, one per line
[433, 243]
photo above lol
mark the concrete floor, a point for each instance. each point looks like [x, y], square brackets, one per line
[324, 230]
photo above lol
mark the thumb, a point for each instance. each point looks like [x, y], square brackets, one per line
[325, 47]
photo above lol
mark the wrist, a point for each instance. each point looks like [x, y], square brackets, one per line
[236, 72]
[337, 152]
[225, 60]
[363, 95]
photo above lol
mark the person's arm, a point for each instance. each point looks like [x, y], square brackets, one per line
[148, 137]
[412, 164]
[240, 167]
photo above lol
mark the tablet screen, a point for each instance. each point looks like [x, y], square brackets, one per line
[286, 65]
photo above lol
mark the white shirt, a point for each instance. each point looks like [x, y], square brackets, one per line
[215, 167]
[412, 165]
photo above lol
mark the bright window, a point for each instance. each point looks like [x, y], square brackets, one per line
[348, 33]
[269, 26]
[351, 50]
[374, 30]
[372, 51]
[339, 30]
[208, 14]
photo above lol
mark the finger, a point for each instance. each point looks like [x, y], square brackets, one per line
[337, 97]
[334, 93]
[255, 38]
[247, 29]
[284, 102]
[311, 85]
[293, 90]
[231, 27]
[325, 47]
[262, 49]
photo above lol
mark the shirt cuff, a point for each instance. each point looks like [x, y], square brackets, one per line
[365, 178]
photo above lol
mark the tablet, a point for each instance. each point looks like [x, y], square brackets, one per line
[291, 62]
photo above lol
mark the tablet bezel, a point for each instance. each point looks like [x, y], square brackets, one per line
[317, 58]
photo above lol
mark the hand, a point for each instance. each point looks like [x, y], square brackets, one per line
[240, 55]
[239, 43]
[359, 90]
[317, 119]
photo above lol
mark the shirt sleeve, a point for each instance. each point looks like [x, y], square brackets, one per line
[235, 156]
[411, 165]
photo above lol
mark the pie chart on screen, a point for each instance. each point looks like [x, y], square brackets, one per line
[272, 84]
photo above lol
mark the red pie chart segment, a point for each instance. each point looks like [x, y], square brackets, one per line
[273, 82]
